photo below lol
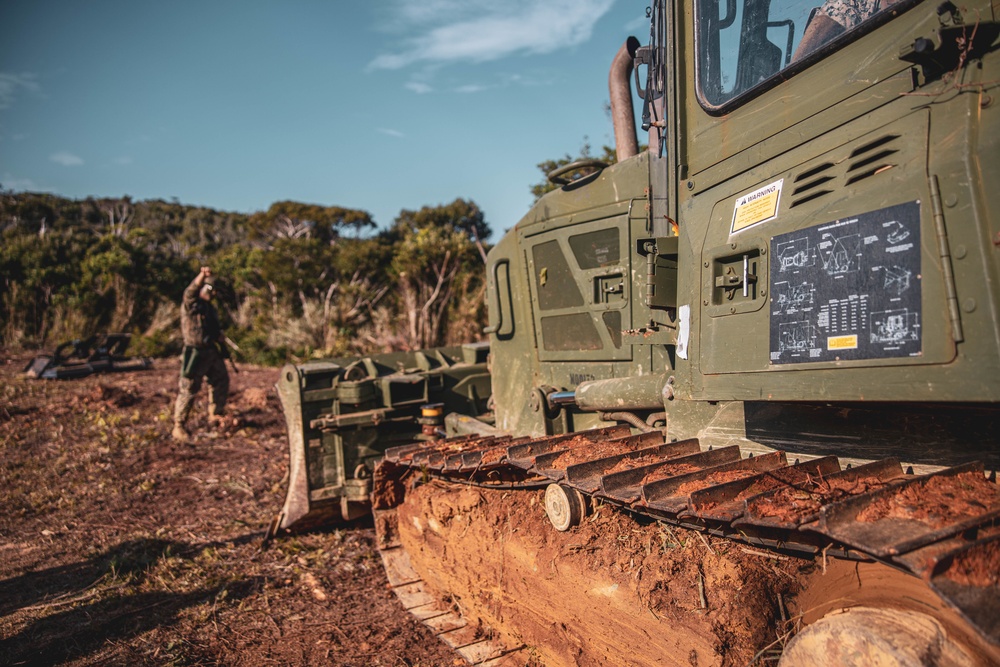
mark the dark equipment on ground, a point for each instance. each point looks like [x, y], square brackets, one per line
[100, 353]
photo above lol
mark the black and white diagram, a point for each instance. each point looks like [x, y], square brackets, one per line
[897, 279]
[894, 327]
[896, 232]
[848, 289]
[791, 298]
[797, 336]
[841, 254]
[795, 254]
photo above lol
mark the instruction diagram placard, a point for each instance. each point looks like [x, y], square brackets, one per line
[848, 289]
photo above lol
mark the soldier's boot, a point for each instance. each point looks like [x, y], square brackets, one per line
[180, 433]
[215, 416]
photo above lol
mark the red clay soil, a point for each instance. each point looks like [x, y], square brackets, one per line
[461, 447]
[770, 482]
[493, 456]
[570, 443]
[596, 450]
[721, 477]
[611, 591]
[637, 462]
[669, 470]
[119, 546]
[980, 566]
[767, 482]
[425, 447]
[620, 590]
[793, 504]
[937, 501]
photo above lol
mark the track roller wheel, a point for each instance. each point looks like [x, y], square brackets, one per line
[863, 636]
[564, 506]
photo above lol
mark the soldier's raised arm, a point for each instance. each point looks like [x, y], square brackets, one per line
[191, 292]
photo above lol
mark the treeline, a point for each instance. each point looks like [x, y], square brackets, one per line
[293, 282]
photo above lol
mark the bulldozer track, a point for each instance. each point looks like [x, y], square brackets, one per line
[941, 527]
[446, 623]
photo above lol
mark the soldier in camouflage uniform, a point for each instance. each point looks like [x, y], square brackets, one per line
[201, 358]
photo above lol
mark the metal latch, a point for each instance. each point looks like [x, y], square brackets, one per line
[609, 288]
[614, 289]
[730, 280]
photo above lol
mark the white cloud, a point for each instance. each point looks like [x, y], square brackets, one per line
[409, 12]
[636, 25]
[11, 84]
[392, 133]
[9, 182]
[471, 88]
[475, 31]
[66, 159]
[123, 160]
[418, 87]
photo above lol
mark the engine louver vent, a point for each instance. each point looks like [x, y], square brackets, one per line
[809, 184]
[874, 157]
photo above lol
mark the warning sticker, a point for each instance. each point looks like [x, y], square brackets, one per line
[759, 206]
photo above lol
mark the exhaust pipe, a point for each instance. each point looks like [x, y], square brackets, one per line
[622, 113]
[641, 392]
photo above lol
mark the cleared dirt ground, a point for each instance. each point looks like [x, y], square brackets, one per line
[119, 546]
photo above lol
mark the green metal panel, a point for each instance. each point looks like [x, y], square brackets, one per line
[850, 146]
[845, 151]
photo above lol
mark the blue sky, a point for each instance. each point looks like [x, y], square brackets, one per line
[237, 104]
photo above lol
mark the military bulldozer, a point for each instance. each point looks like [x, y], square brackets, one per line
[750, 375]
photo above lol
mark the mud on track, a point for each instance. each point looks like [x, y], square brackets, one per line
[120, 547]
[612, 591]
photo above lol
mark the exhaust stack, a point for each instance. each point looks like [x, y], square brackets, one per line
[622, 112]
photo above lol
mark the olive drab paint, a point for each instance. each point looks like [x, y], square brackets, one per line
[835, 214]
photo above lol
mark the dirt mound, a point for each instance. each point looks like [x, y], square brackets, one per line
[593, 595]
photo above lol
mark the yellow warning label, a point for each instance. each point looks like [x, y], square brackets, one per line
[757, 207]
[842, 342]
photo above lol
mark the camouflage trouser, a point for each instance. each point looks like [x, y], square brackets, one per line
[211, 365]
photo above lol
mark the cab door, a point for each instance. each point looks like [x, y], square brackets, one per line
[581, 288]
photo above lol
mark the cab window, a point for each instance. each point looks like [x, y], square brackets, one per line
[742, 44]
